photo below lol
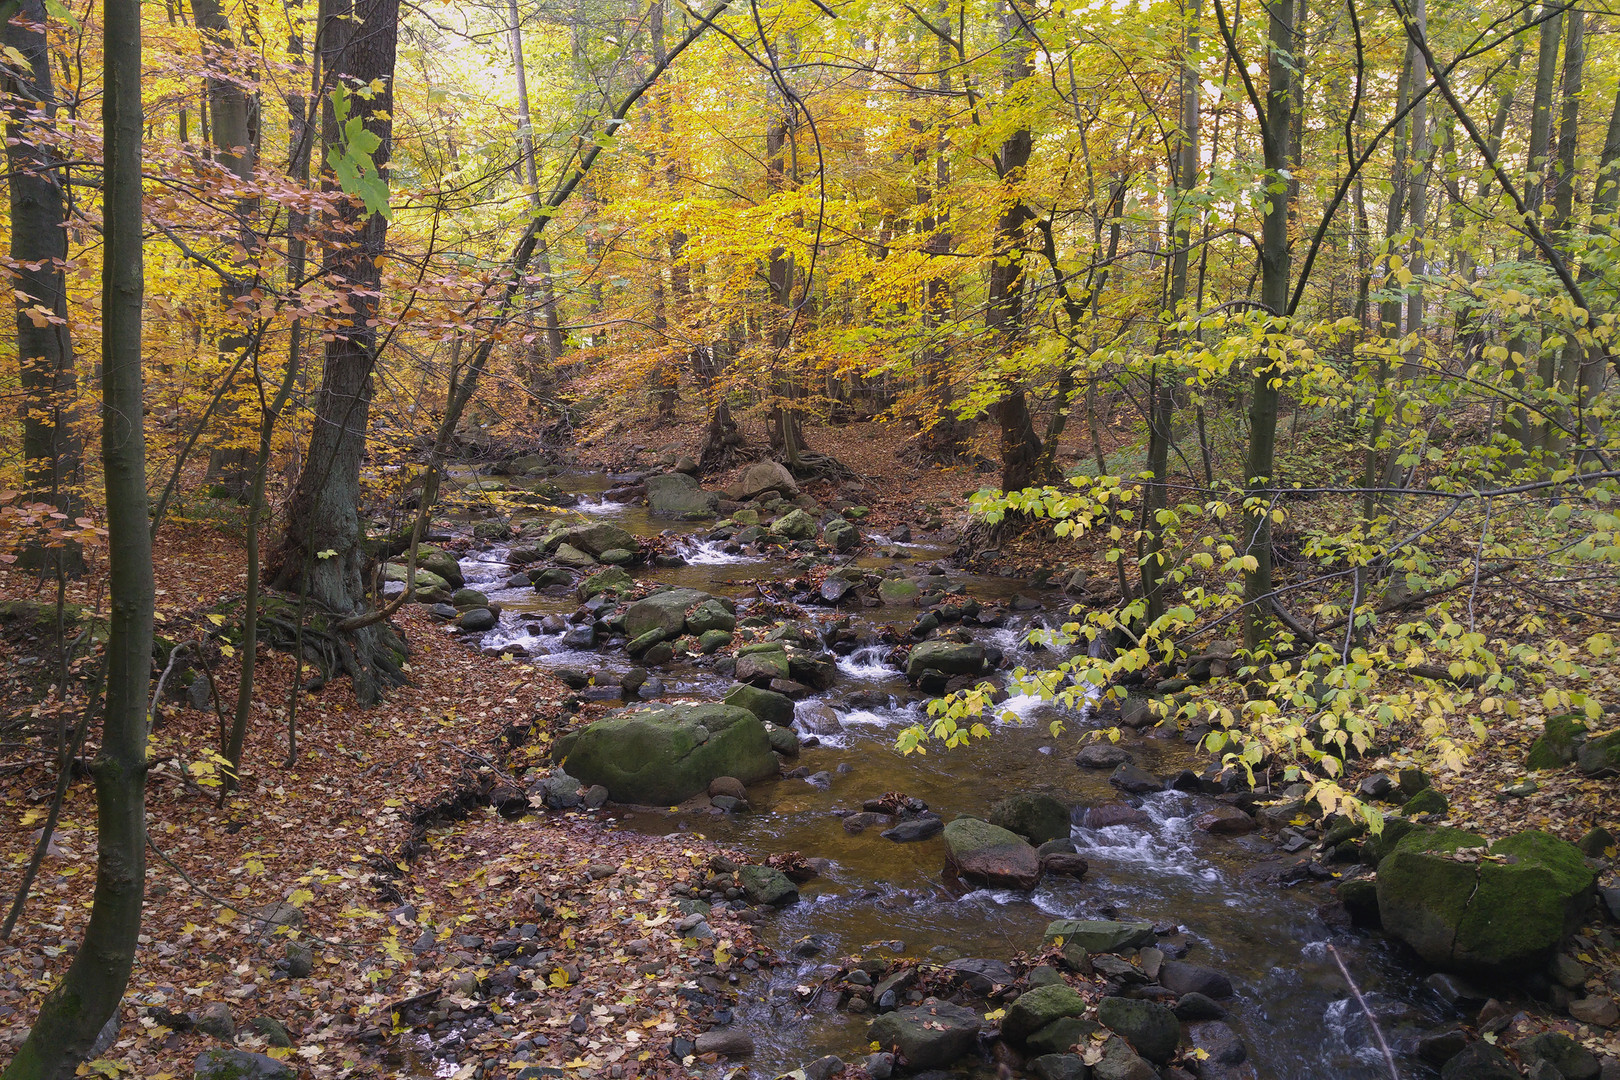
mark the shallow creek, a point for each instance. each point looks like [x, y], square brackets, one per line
[882, 899]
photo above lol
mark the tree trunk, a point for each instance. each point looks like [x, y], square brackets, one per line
[53, 467]
[1184, 179]
[230, 112]
[1275, 271]
[1004, 303]
[321, 554]
[1565, 371]
[76, 1010]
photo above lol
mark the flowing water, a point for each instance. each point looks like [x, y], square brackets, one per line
[881, 899]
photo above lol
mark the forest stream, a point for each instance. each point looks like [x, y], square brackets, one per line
[1218, 895]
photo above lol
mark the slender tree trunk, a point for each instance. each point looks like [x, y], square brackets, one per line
[542, 367]
[230, 111]
[1161, 412]
[76, 1010]
[1565, 371]
[53, 465]
[321, 553]
[945, 436]
[1275, 271]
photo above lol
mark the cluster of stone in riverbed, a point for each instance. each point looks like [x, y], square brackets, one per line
[1099, 998]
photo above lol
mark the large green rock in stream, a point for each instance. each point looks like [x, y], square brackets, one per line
[592, 539]
[1038, 1008]
[677, 495]
[794, 525]
[986, 854]
[928, 1036]
[1501, 915]
[944, 657]
[1037, 818]
[1101, 935]
[1151, 1028]
[664, 610]
[769, 706]
[665, 754]
[426, 580]
[440, 562]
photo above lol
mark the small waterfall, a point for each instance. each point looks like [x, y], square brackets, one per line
[700, 552]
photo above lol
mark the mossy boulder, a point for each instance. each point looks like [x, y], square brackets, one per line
[613, 579]
[1496, 915]
[768, 705]
[664, 611]
[898, 590]
[1427, 801]
[679, 496]
[1038, 1008]
[440, 562]
[666, 754]
[794, 525]
[1560, 740]
[928, 1036]
[593, 539]
[1037, 818]
[709, 615]
[840, 535]
[1152, 1029]
[1600, 756]
[945, 658]
[1101, 935]
[426, 580]
[986, 854]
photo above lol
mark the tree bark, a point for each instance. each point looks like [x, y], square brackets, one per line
[53, 456]
[76, 1010]
[320, 552]
[1004, 302]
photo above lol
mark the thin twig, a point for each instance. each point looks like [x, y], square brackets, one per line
[1371, 1019]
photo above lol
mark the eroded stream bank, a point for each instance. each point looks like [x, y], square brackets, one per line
[1253, 906]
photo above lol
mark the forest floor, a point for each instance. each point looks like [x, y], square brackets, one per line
[412, 894]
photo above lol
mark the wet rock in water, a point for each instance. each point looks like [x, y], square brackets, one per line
[462, 599]
[987, 854]
[922, 827]
[1483, 915]
[664, 611]
[1183, 978]
[784, 740]
[764, 477]
[596, 796]
[1064, 864]
[944, 658]
[1111, 814]
[712, 641]
[895, 591]
[1217, 1040]
[1061, 1036]
[1195, 1006]
[1480, 1061]
[856, 824]
[220, 1064]
[662, 755]
[1134, 780]
[928, 1036]
[477, 620]
[1059, 1067]
[729, 1042]
[438, 611]
[1037, 818]
[572, 557]
[1101, 935]
[1150, 1028]
[728, 785]
[1042, 1006]
[1224, 821]
[982, 976]
[816, 718]
[840, 535]
[767, 885]
[580, 637]
[761, 666]
[593, 539]
[678, 495]
[771, 708]
[816, 671]
[1102, 755]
